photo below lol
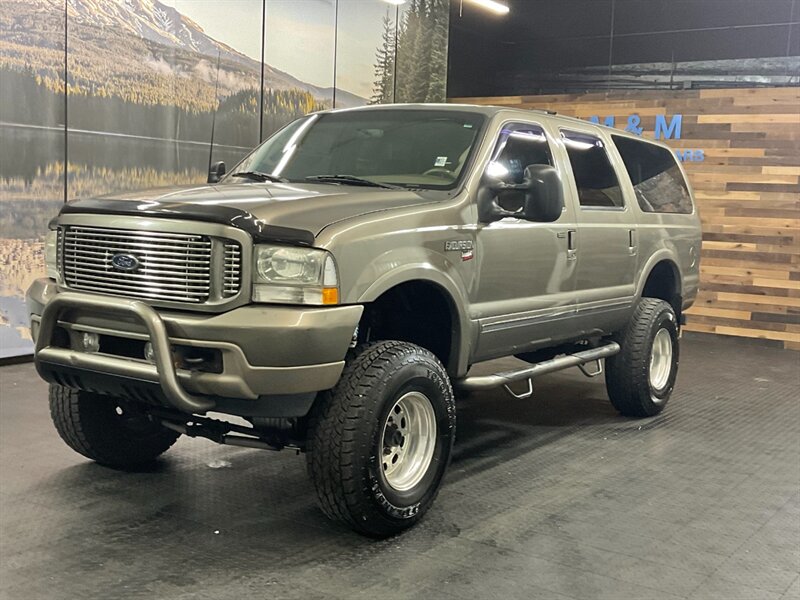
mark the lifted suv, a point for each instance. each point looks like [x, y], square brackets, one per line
[337, 285]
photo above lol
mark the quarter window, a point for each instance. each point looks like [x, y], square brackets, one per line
[655, 175]
[595, 178]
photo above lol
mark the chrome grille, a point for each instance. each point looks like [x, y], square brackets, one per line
[59, 246]
[232, 275]
[171, 266]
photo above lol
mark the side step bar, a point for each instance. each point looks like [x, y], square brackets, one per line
[488, 382]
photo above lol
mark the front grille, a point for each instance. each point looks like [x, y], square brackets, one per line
[232, 274]
[175, 267]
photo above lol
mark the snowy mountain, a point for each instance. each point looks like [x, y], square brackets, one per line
[153, 21]
[160, 24]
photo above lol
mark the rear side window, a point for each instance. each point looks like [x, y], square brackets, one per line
[595, 178]
[655, 175]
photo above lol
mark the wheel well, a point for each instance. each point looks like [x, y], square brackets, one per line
[663, 282]
[418, 312]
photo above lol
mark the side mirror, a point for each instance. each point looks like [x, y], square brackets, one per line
[542, 192]
[216, 172]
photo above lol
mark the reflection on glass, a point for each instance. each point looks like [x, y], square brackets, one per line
[518, 146]
[396, 147]
[595, 178]
[31, 155]
[655, 175]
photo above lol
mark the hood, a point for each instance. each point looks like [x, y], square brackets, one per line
[306, 207]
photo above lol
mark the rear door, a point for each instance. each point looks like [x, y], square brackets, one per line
[606, 242]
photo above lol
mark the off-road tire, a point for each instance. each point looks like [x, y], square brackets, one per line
[90, 424]
[628, 373]
[345, 431]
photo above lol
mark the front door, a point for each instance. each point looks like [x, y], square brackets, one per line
[605, 246]
[527, 277]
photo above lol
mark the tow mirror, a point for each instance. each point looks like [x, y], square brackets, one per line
[216, 172]
[542, 196]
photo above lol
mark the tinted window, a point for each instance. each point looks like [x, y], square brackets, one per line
[655, 176]
[413, 148]
[595, 178]
[518, 146]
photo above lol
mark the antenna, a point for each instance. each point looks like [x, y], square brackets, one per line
[394, 66]
[214, 115]
[335, 48]
[66, 104]
[261, 87]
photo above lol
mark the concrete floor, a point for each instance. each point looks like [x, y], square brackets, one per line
[556, 497]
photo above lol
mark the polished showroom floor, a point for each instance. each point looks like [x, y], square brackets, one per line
[554, 497]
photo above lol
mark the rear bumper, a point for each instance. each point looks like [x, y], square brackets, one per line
[269, 354]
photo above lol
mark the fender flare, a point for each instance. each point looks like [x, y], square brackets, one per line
[455, 296]
[662, 255]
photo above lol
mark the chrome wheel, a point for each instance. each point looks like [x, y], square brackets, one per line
[661, 359]
[408, 441]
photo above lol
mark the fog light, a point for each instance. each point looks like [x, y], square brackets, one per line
[91, 342]
[149, 353]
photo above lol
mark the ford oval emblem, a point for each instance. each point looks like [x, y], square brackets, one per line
[125, 262]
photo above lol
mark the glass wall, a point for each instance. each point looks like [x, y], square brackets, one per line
[299, 50]
[158, 90]
[364, 52]
[422, 51]
[31, 153]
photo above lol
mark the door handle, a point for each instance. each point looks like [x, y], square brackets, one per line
[572, 249]
[632, 241]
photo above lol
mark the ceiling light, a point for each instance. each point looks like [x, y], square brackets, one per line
[395, 2]
[492, 5]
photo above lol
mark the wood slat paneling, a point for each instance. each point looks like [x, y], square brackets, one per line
[747, 190]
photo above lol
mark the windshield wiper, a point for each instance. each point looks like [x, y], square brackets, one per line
[259, 176]
[351, 180]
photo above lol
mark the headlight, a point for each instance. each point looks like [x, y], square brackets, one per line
[292, 275]
[51, 254]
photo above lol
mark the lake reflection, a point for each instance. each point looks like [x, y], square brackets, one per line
[32, 191]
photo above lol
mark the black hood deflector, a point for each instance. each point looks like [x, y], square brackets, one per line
[225, 215]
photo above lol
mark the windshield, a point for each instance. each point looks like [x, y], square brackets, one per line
[407, 148]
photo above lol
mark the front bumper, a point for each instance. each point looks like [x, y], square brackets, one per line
[269, 354]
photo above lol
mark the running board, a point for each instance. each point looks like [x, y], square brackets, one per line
[488, 382]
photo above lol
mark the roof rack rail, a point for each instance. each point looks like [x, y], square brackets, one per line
[542, 110]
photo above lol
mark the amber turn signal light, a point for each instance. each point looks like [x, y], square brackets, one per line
[330, 295]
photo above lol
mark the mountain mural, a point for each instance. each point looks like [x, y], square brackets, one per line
[141, 43]
[150, 20]
[164, 25]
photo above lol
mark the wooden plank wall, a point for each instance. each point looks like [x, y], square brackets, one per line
[747, 189]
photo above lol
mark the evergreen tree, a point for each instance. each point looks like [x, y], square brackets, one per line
[383, 87]
[439, 17]
[407, 52]
[422, 52]
[418, 86]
